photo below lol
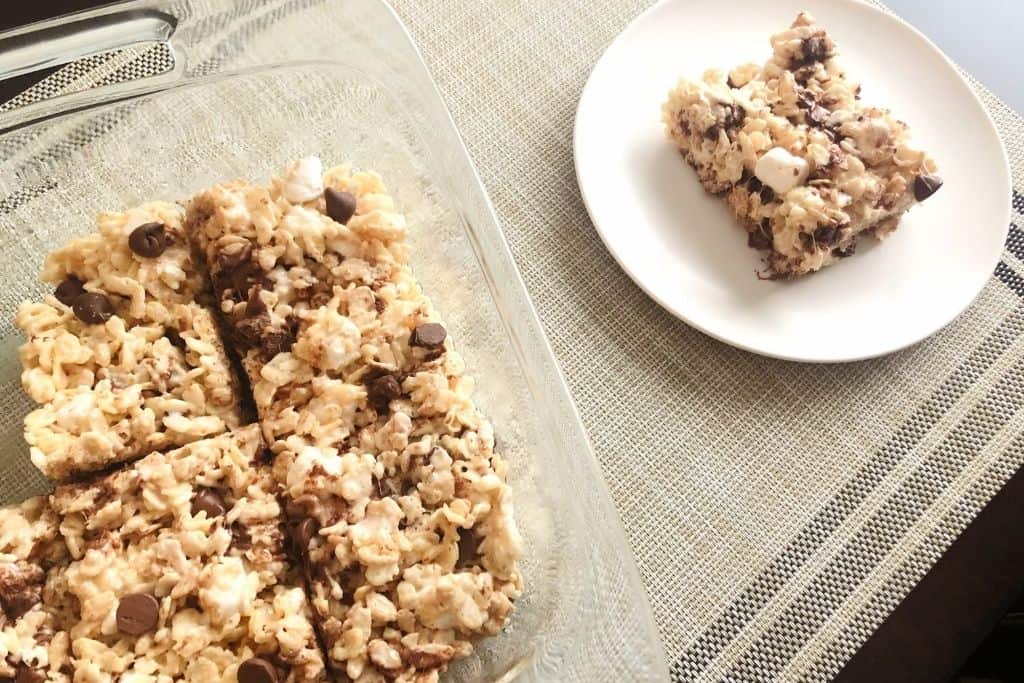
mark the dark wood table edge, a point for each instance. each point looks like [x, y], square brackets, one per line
[950, 612]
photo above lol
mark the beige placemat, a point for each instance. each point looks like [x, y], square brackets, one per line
[778, 512]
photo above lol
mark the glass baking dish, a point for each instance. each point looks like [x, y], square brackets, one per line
[243, 87]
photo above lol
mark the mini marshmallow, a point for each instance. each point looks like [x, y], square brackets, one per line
[780, 170]
[304, 180]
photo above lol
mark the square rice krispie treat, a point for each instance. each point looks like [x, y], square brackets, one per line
[395, 495]
[305, 270]
[33, 615]
[180, 573]
[122, 357]
[411, 551]
[804, 165]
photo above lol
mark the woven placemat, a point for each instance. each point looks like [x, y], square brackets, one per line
[778, 511]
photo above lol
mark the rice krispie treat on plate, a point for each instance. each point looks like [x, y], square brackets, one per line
[179, 569]
[396, 498]
[804, 165]
[33, 617]
[122, 357]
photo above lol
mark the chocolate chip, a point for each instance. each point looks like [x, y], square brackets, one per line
[249, 331]
[756, 240]
[818, 115]
[255, 306]
[174, 337]
[832, 134]
[428, 336]
[240, 537]
[93, 308]
[27, 675]
[19, 596]
[257, 670]
[20, 605]
[734, 116]
[208, 501]
[845, 253]
[712, 132]
[926, 185]
[232, 260]
[137, 613]
[304, 532]
[826, 235]
[761, 238]
[341, 205]
[430, 659]
[149, 240]
[814, 49]
[804, 73]
[69, 290]
[767, 194]
[303, 506]
[236, 271]
[276, 341]
[264, 456]
[382, 390]
[468, 543]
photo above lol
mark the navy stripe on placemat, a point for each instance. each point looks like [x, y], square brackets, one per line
[1015, 241]
[1010, 278]
[19, 197]
[820, 598]
[698, 656]
[844, 644]
[1018, 202]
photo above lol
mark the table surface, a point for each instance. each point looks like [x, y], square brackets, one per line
[944, 619]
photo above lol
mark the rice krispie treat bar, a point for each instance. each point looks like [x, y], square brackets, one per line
[804, 165]
[411, 552]
[307, 272]
[396, 498]
[33, 617]
[123, 358]
[180, 573]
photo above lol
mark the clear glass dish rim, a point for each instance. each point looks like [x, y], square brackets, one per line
[514, 286]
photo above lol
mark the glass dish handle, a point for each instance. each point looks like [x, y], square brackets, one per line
[60, 41]
[53, 43]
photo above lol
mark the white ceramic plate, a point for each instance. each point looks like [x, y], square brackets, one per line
[686, 251]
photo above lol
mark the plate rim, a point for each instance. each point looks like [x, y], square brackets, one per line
[913, 339]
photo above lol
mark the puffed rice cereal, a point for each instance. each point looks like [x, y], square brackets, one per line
[396, 497]
[180, 571]
[33, 619]
[804, 165]
[122, 357]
